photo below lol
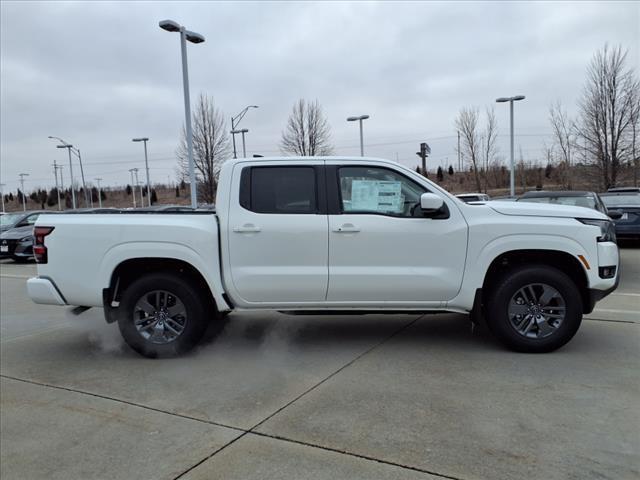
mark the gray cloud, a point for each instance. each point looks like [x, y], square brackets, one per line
[98, 73]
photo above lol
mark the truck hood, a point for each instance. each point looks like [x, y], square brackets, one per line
[17, 233]
[545, 210]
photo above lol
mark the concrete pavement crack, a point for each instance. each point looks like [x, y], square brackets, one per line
[352, 454]
[119, 400]
[331, 375]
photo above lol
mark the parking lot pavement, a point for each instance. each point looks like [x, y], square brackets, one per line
[279, 396]
[56, 434]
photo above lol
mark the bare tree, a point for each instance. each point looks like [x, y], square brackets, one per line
[467, 125]
[606, 112]
[563, 137]
[307, 132]
[210, 147]
[635, 126]
[489, 143]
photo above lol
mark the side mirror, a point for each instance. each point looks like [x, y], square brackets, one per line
[430, 202]
[614, 214]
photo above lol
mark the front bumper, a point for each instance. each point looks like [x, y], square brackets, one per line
[608, 256]
[42, 290]
[16, 249]
[596, 295]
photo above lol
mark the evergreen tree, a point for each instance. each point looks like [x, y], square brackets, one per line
[439, 174]
[177, 191]
[42, 198]
[129, 190]
[450, 170]
[52, 198]
[154, 197]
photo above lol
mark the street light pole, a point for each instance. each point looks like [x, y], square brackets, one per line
[76, 152]
[512, 180]
[234, 123]
[244, 147]
[99, 191]
[359, 119]
[146, 164]
[133, 186]
[24, 199]
[87, 198]
[61, 180]
[55, 173]
[135, 171]
[171, 26]
[73, 192]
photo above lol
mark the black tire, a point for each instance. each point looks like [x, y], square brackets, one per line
[507, 288]
[198, 312]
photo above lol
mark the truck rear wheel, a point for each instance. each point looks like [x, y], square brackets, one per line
[534, 309]
[161, 315]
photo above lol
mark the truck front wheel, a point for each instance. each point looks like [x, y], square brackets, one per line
[161, 315]
[534, 309]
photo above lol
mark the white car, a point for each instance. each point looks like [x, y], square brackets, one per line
[329, 235]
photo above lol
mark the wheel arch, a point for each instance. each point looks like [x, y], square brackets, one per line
[559, 260]
[131, 269]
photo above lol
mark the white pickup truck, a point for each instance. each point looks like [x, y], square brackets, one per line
[329, 235]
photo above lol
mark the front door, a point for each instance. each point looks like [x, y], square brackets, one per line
[382, 251]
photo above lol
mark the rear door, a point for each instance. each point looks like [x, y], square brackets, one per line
[278, 245]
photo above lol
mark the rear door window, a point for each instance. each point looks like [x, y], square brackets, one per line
[279, 190]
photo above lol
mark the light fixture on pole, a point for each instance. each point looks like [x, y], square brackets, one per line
[87, 198]
[360, 119]
[511, 100]
[244, 148]
[24, 196]
[133, 186]
[146, 164]
[234, 124]
[171, 26]
[97, 179]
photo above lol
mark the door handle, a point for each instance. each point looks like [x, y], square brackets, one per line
[247, 228]
[346, 228]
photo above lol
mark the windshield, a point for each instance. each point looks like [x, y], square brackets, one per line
[588, 202]
[615, 200]
[10, 218]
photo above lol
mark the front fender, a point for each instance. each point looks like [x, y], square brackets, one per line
[480, 260]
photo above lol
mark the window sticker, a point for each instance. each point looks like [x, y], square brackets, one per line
[376, 196]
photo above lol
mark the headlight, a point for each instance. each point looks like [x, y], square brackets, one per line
[607, 229]
[27, 239]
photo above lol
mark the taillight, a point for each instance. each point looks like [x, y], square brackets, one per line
[39, 250]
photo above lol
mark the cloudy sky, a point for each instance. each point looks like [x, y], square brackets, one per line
[99, 73]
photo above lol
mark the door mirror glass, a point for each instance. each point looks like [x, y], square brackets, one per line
[614, 214]
[430, 202]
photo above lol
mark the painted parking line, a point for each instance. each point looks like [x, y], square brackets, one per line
[613, 310]
[625, 294]
[10, 275]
